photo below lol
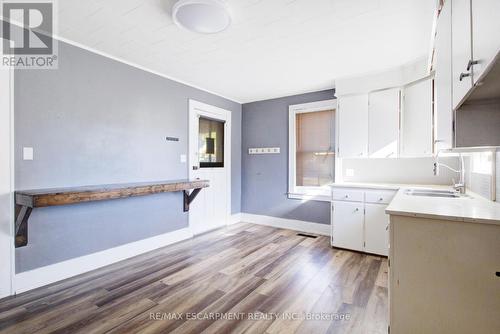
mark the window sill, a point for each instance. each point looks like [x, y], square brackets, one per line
[310, 197]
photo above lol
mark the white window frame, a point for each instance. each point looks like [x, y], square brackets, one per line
[300, 192]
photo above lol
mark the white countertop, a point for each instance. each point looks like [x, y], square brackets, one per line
[470, 208]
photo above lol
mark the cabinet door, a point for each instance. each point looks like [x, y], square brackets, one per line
[485, 34]
[376, 232]
[416, 132]
[383, 123]
[443, 81]
[347, 225]
[353, 126]
[462, 49]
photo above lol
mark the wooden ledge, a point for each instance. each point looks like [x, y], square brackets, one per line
[26, 200]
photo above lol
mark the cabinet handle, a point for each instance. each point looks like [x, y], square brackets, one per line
[346, 196]
[356, 210]
[497, 273]
[471, 63]
[380, 199]
[464, 75]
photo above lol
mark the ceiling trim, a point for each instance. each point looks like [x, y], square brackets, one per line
[140, 67]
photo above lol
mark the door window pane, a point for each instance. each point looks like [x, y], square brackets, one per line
[315, 157]
[211, 143]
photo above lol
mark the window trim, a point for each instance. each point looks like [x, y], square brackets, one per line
[306, 193]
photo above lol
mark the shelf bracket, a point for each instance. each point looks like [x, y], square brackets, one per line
[23, 213]
[188, 198]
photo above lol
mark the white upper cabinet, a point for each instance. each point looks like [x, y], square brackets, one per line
[383, 123]
[416, 130]
[461, 49]
[443, 81]
[353, 126]
[485, 34]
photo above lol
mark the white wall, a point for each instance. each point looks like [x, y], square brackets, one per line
[402, 170]
[6, 206]
[394, 77]
[498, 177]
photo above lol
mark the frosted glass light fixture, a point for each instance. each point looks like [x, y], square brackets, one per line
[201, 16]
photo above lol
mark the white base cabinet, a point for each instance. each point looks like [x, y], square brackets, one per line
[443, 276]
[359, 221]
[376, 229]
[349, 221]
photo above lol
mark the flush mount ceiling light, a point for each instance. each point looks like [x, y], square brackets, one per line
[202, 16]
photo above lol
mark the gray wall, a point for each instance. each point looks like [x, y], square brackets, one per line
[265, 177]
[94, 121]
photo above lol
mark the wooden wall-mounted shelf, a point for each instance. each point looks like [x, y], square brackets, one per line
[26, 200]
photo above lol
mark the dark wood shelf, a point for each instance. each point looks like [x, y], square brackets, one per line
[26, 200]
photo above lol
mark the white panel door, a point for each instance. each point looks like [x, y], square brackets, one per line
[462, 49]
[6, 185]
[353, 126]
[347, 225]
[383, 123]
[485, 34]
[416, 132]
[211, 208]
[376, 231]
[443, 81]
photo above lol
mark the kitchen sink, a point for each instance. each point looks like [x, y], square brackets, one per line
[433, 193]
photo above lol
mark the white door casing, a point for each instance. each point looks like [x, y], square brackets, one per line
[6, 182]
[212, 207]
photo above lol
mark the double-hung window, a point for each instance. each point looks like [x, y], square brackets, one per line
[311, 150]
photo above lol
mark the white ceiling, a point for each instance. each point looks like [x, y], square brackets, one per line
[273, 48]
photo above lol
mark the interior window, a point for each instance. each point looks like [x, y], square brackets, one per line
[315, 152]
[211, 143]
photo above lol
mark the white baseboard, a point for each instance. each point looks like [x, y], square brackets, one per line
[234, 218]
[58, 271]
[291, 224]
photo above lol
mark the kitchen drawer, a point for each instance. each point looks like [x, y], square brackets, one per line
[379, 196]
[349, 195]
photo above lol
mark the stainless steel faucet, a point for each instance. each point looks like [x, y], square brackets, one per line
[460, 186]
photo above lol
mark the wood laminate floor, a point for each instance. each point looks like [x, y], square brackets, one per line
[241, 279]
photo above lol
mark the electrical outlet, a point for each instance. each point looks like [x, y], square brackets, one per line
[349, 172]
[27, 153]
[183, 158]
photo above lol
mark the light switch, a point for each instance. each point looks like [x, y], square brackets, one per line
[27, 153]
[183, 158]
